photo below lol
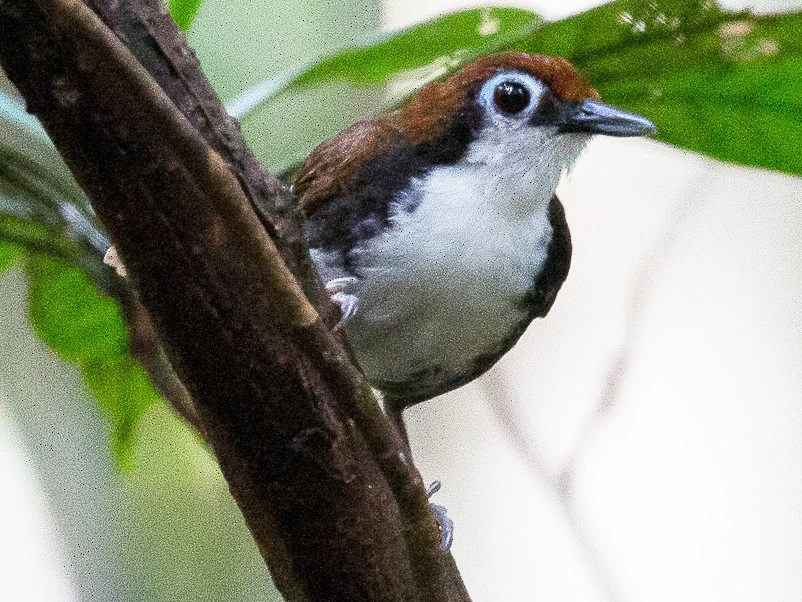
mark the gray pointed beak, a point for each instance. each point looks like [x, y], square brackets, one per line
[594, 117]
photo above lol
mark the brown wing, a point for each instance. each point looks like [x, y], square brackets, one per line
[334, 167]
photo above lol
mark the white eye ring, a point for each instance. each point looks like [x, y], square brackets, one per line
[487, 94]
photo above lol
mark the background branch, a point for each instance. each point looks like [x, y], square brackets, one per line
[561, 482]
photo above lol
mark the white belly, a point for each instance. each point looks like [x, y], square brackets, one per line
[446, 284]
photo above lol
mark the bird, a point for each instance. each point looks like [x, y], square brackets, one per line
[435, 227]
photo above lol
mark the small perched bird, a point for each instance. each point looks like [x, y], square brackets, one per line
[436, 228]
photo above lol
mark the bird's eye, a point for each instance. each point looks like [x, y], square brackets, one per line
[511, 97]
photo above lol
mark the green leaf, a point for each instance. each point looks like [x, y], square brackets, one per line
[87, 328]
[429, 49]
[184, 11]
[725, 84]
[44, 212]
[9, 253]
[457, 37]
[721, 83]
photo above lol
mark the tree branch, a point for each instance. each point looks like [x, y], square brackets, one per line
[326, 487]
[160, 47]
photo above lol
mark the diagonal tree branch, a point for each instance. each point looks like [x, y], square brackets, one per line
[159, 45]
[326, 486]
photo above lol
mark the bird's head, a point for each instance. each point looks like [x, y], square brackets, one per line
[517, 121]
[522, 114]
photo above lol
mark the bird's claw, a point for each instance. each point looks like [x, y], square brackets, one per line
[347, 302]
[445, 524]
[112, 258]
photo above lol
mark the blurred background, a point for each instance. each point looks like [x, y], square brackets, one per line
[644, 442]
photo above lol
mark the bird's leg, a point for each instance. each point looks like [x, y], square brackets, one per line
[441, 516]
[396, 418]
[338, 290]
[394, 408]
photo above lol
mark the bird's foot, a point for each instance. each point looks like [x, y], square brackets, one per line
[441, 516]
[338, 290]
[112, 258]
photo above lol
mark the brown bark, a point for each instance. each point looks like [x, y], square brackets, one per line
[213, 246]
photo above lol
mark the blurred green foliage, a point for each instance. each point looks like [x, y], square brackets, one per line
[436, 45]
[86, 328]
[44, 211]
[234, 67]
[9, 253]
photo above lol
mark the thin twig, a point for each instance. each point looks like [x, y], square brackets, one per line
[561, 483]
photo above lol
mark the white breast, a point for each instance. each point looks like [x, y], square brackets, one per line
[445, 285]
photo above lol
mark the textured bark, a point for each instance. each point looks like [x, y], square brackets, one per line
[213, 246]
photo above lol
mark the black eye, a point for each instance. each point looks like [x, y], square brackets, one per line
[511, 97]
